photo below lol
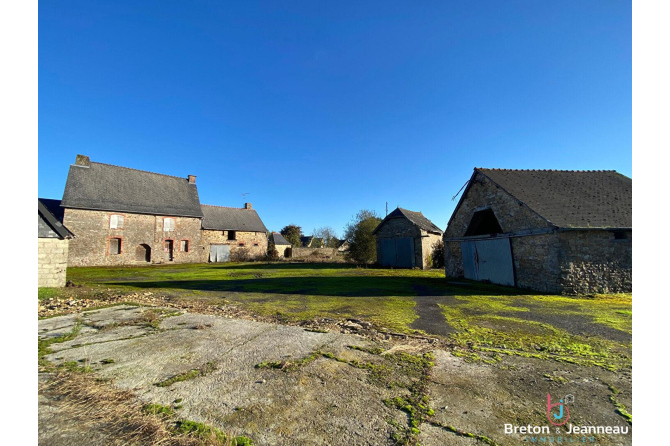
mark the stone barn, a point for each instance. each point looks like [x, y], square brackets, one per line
[565, 232]
[282, 245]
[125, 216]
[52, 244]
[233, 234]
[405, 239]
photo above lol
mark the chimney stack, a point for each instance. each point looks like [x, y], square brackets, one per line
[247, 205]
[82, 160]
[191, 179]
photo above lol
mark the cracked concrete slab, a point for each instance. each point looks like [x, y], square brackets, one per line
[323, 402]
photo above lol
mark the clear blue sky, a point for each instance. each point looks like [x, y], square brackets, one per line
[320, 109]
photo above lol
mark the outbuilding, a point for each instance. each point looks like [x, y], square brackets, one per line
[557, 231]
[282, 245]
[52, 244]
[405, 239]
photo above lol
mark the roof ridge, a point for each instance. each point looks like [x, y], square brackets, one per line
[544, 170]
[137, 170]
[226, 207]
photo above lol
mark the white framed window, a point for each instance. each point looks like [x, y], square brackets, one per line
[116, 222]
[168, 224]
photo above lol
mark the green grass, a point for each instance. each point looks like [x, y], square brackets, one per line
[490, 320]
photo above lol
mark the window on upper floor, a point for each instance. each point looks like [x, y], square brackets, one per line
[231, 235]
[168, 224]
[116, 222]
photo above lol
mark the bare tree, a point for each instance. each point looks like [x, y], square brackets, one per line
[327, 236]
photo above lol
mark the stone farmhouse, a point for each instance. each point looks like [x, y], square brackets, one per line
[567, 232]
[405, 239]
[52, 244]
[123, 216]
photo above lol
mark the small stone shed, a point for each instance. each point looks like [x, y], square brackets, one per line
[52, 244]
[233, 234]
[405, 239]
[282, 245]
[557, 231]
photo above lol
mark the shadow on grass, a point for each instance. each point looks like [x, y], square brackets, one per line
[333, 286]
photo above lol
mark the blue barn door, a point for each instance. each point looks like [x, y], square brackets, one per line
[405, 252]
[488, 260]
[388, 252]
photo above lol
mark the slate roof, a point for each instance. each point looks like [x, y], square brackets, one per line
[415, 217]
[571, 198]
[279, 239]
[113, 188]
[50, 220]
[231, 219]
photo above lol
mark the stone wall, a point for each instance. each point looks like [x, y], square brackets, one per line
[91, 245]
[536, 262]
[428, 240]
[246, 246]
[51, 262]
[320, 253]
[596, 262]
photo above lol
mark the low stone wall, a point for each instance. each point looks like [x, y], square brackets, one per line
[596, 262]
[51, 262]
[321, 253]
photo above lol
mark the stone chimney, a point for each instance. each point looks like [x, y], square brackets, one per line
[191, 179]
[82, 160]
[247, 205]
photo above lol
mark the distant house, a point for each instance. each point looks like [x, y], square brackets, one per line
[405, 239]
[52, 244]
[126, 216]
[555, 231]
[343, 246]
[282, 245]
[306, 241]
[233, 233]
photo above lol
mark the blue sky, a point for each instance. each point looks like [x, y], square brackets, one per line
[320, 109]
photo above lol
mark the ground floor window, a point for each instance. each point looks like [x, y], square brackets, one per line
[184, 246]
[114, 246]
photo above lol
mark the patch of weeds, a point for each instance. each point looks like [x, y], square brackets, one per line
[74, 367]
[44, 345]
[191, 374]
[200, 430]
[372, 351]
[107, 361]
[620, 408]
[158, 409]
[484, 439]
[556, 378]
[417, 404]
[501, 325]
[289, 365]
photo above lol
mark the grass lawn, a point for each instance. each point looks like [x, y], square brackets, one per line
[487, 320]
